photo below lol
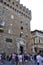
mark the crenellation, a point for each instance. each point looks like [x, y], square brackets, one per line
[19, 6]
[24, 8]
[17, 10]
[27, 10]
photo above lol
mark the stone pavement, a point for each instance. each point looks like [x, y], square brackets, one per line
[8, 63]
[30, 63]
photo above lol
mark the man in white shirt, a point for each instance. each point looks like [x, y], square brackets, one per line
[20, 57]
[39, 59]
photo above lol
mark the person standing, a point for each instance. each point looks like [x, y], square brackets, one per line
[20, 58]
[40, 59]
[16, 59]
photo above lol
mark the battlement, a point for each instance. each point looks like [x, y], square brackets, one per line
[18, 7]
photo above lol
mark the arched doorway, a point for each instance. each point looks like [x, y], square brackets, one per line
[21, 49]
[21, 45]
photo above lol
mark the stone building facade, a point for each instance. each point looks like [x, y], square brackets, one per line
[37, 41]
[14, 27]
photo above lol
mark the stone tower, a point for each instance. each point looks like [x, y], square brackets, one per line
[15, 0]
[14, 27]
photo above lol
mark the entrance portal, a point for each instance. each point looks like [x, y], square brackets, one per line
[21, 45]
[21, 49]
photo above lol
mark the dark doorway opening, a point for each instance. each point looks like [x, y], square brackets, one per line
[21, 49]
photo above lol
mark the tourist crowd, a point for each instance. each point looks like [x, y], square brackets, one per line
[20, 59]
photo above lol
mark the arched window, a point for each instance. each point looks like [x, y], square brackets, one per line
[21, 27]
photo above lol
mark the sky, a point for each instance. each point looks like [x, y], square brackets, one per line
[36, 7]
